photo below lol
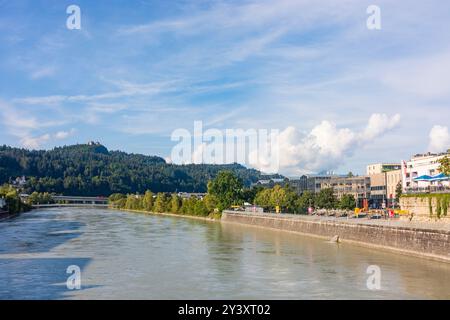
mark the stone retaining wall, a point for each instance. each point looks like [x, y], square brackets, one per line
[420, 207]
[434, 244]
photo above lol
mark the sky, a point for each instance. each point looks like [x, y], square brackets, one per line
[341, 95]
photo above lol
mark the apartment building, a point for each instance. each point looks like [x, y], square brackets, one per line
[393, 178]
[358, 186]
[421, 173]
[377, 168]
[315, 182]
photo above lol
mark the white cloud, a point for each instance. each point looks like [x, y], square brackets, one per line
[34, 142]
[125, 89]
[379, 123]
[42, 73]
[63, 134]
[327, 146]
[439, 139]
[324, 148]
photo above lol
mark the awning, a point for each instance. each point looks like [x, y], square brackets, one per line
[439, 177]
[423, 178]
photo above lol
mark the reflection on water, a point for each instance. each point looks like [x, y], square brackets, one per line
[136, 256]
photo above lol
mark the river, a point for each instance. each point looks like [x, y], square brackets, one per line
[125, 255]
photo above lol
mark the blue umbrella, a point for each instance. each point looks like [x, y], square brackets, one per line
[439, 177]
[423, 178]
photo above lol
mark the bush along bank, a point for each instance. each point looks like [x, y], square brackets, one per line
[165, 203]
[13, 203]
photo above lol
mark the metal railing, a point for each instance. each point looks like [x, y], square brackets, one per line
[430, 189]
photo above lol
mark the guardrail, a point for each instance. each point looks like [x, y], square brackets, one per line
[427, 190]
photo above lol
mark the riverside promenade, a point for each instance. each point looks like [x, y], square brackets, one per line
[428, 239]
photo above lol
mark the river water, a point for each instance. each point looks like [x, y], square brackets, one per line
[135, 256]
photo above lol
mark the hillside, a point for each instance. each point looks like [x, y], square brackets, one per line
[90, 169]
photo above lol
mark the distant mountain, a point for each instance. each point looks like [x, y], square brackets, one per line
[90, 169]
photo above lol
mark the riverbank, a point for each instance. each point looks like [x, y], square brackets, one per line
[396, 236]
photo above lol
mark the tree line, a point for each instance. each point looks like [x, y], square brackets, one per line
[93, 170]
[227, 190]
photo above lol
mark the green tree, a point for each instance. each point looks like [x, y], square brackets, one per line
[278, 197]
[398, 192]
[133, 202]
[226, 189]
[175, 203]
[445, 165]
[263, 199]
[291, 200]
[160, 203]
[200, 209]
[12, 199]
[40, 198]
[147, 201]
[305, 201]
[325, 199]
[210, 202]
[347, 202]
[116, 196]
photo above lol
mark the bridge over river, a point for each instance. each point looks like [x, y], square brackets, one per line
[71, 201]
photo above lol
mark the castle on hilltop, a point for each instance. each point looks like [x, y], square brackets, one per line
[94, 143]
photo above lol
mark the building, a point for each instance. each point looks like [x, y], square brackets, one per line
[378, 173]
[393, 178]
[299, 184]
[378, 190]
[270, 183]
[315, 182]
[19, 182]
[421, 173]
[188, 195]
[377, 168]
[358, 186]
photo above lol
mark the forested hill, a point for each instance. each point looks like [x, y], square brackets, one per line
[93, 170]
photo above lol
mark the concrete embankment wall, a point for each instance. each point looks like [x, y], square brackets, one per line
[433, 244]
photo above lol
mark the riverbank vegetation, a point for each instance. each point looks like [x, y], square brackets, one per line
[13, 203]
[227, 191]
[223, 192]
[40, 198]
[164, 203]
[287, 200]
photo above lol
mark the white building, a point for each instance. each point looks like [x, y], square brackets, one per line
[377, 168]
[421, 171]
[2, 203]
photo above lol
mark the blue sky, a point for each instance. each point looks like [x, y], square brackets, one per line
[343, 96]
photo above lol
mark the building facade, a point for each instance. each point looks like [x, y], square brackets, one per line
[378, 190]
[393, 178]
[315, 182]
[377, 168]
[358, 186]
[421, 171]
[299, 185]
